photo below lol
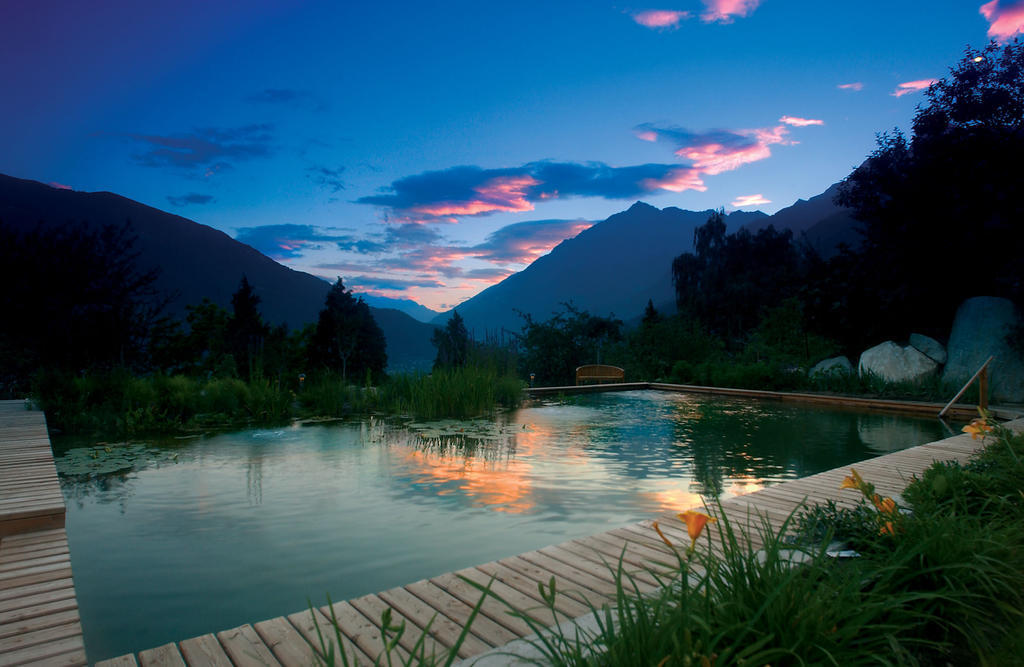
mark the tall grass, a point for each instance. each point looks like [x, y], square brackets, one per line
[456, 393]
[118, 404]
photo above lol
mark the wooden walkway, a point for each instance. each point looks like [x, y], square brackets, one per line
[580, 568]
[39, 622]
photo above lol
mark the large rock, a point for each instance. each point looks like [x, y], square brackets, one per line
[833, 366]
[896, 363]
[929, 346]
[979, 331]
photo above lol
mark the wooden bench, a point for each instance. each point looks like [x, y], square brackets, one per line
[599, 373]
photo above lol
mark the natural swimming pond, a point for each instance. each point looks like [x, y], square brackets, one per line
[199, 535]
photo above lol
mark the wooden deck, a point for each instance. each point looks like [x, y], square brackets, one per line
[579, 566]
[39, 622]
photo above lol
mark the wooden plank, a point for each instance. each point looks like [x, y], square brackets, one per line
[372, 607]
[9, 596]
[38, 616]
[204, 651]
[565, 603]
[41, 636]
[307, 622]
[245, 648]
[285, 642]
[442, 629]
[361, 631]
[459, 611]
[493, 608]
[66, 651]
[161, 656]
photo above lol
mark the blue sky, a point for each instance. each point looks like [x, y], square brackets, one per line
[427, 150]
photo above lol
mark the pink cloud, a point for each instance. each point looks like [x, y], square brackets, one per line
[856, 85]
[800, 122]
[678, 180]
[660, 18]
[908, 87]
[502, 193]
[750, 200]
[723, 11]
[59, 186]
[713, 158]
[1004, 22]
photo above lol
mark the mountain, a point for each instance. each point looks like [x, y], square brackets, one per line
[613, 267]
[197, 261]
[620, 263]
[408, 306]
[817, 220]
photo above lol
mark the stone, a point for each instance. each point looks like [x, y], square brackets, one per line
[833, 366]
[979, 331]
[933, 348]
[896, 363]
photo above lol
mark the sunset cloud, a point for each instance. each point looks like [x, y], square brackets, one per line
[750, 200]
[474, 191]
[723, 11]
[288, 241]
[800, 122]
[660, 18]
[59, 186]
[716, 151]
[856, 85]
[911, 87]
[215, 148]
[1006, 19]
[523, 242]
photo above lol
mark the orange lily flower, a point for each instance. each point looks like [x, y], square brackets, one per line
[888, 505]
[654, 525]
[695, 522]
[852, 481]
[978, 427]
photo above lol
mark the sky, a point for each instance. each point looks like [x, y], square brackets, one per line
[429, 150]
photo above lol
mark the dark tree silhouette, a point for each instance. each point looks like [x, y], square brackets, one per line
[452, 343]
[74, 298]
[347, 338]
[246, 330]
[730, 281]
[553, 349]
[941, 211]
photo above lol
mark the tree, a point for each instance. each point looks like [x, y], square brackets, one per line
[730, 281]
[948, 195]
[246, 330]
[553, 349]
[347, 338]
[452, 343]
[74, 298]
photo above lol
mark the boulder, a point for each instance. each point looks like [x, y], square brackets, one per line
[929, 346]
[979, 331]
[896, 363]
[833, 366]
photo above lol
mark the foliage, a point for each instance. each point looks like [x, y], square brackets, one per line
[74, 298]
[347, 339]
[729, 281]
[452, 343]
[552, 350]
[116, 403]
[453, 392]
[246, 331]
[950, 185]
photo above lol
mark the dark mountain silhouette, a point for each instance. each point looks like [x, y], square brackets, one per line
[817, 220]
[613, 267]
[408, 306]
[197, 261]
[620, 263]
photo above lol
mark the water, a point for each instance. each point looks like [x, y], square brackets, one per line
[238, 527]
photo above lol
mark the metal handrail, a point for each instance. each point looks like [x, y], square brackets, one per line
[981, 373]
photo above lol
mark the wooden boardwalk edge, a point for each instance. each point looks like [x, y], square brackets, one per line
[580, 567]
[39, 622]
